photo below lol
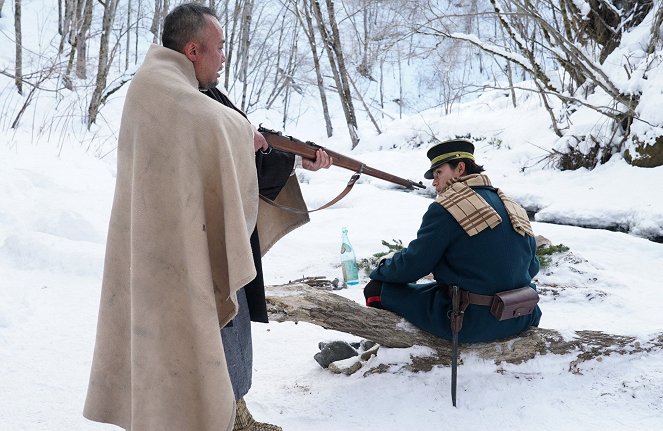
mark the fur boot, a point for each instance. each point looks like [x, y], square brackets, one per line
[244, 420]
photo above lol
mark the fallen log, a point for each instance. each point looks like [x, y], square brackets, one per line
[297, 302]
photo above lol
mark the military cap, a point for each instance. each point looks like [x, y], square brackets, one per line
[446, 151]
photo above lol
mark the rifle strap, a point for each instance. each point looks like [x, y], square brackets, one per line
[340, 196]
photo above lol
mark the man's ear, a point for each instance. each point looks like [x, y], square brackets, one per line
[191, 50]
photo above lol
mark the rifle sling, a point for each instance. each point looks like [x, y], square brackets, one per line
[340, 196]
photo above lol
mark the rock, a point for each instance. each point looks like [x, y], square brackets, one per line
[369, 353]
[645, 155]
[346, 366]
[366, 344]
[340, 357]
[334, 351]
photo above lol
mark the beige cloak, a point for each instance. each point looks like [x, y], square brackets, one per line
[177, 251]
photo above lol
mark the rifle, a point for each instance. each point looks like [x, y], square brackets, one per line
[307, 150]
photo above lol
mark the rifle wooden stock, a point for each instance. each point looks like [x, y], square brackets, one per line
[308, 149]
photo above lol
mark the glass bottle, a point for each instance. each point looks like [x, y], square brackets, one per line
[348, 260]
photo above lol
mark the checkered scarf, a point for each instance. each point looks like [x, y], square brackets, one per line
[473, 213]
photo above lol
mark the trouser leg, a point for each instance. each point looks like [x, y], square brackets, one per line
[238, 348]
[423, 305]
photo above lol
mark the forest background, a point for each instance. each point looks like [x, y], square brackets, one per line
[373, 59]
[562, 99]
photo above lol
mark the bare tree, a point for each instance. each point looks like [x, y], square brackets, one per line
[655, 31]
[60, 15]
[356, 47]
[65, 17]
[578, 41]
[127, 52]
[18, 74]
[81, 39]
[161, 9]
[137, 28]
[77, 21]
[244, 49]
[156, 20]
[35, 81]
[332, 44]
[230, 24]
[287, 76]
[110, 9]
[257, 62]
[284, 65]
[303, 14]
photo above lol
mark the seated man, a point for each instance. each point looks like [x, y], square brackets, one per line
[473, 237]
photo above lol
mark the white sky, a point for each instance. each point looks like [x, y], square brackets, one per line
[54, 214]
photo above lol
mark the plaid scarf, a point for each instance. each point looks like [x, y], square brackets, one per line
[473, 213]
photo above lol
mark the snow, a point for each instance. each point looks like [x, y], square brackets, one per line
[55, 201]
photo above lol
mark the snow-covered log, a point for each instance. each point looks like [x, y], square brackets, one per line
[300, 302]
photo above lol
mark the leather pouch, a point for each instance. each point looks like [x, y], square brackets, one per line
[514, 303]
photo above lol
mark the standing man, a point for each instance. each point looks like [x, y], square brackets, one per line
[473, 237]
[178, 248]
[276, 182]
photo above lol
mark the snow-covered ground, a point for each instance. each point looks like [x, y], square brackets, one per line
[53, 220]
[55, 204]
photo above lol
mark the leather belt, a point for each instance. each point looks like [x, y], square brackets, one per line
[474, 298]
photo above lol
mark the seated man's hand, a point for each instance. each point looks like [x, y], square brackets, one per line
[322, 160]
[385, 257]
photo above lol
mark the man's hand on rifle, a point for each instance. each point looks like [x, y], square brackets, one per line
[259, 142]
[322, 160]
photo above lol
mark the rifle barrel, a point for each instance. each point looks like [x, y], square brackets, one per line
[308, 150]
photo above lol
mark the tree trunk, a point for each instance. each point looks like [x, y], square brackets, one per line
[2, 3]
[307, 24]
[81, 40]
[154, 27]
[332, 47]
[512, 90]
[137, 28]
[18, 75]
[65, 16]
[160, 11]
[164, 12]
[127, 53]
[60, 15]
[365, 105]
[382, 87]
[343, 73]
[244, 50]
[300, 302]
[281, 79]
[102, 68]
[72, 14]
[400, 85]
[655, 31]
[230, 29]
